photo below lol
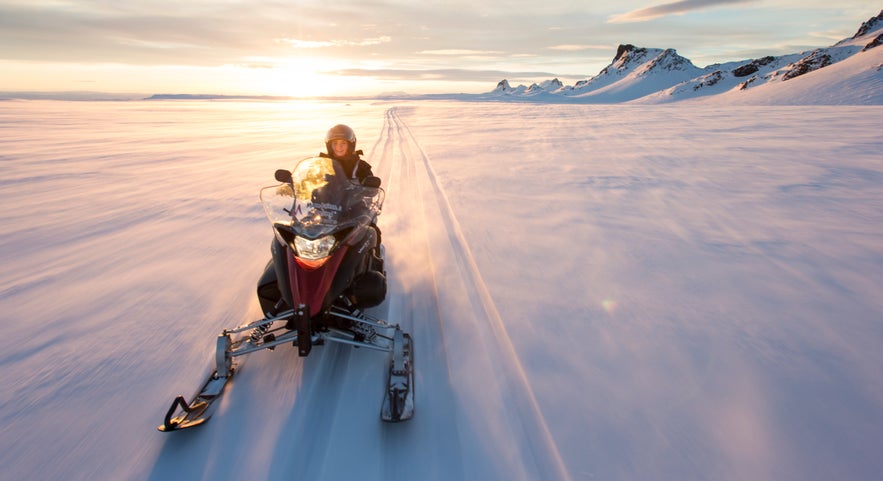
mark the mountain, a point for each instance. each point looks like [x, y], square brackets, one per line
[534, 89]
[848, 72]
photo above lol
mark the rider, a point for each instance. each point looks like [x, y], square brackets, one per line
[340, 144]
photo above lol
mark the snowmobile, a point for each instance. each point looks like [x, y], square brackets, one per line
[326, 268]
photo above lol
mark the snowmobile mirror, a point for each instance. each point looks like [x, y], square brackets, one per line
[371, 181]
[284, 176]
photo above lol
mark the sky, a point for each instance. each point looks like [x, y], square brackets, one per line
[357, 47]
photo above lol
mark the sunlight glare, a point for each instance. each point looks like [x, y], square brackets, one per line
[299, 77]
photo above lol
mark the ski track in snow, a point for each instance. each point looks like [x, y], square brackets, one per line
[489, 377]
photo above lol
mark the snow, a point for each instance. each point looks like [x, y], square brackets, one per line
[849, 72]
[630, 292]
[857, 80]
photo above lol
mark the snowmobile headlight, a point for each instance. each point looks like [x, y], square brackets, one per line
[313, 249]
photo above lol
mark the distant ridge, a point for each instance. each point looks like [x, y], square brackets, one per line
[215, 97]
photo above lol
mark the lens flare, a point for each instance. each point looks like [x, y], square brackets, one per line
[609, 305]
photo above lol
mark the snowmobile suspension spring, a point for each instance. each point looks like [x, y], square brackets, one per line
[258, 332]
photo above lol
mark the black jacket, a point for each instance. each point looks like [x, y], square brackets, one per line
[353, 165]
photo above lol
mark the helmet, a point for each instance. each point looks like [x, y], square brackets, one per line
[341, 131]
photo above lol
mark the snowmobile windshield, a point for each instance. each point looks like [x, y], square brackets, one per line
[320, 200]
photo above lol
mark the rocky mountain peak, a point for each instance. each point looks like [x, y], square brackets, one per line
[628, 53]
[503, 86]
[873, 24]
[670, 60]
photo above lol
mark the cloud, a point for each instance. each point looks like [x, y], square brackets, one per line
[455, 75]
[334, 43]
[674, 8]
[459, 52]
[578, 47]
[186, 33]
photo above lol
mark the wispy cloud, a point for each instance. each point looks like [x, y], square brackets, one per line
[459, 52]
[296, 43]
[578, 47]
[674, 8]
[455, 75]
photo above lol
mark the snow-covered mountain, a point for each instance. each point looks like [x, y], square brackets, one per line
[534, 89]
[853, 73]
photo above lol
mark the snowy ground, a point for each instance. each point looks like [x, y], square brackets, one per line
[596, 292]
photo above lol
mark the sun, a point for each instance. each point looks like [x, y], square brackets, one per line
[297, 77]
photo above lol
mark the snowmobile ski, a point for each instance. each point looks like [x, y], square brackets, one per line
[201, 407]
[198, 410]
[398, 401]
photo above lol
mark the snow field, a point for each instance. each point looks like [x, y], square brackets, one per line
[595, 292]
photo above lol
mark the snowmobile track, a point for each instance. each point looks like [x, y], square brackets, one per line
[465, 319]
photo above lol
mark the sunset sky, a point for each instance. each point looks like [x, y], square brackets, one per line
[364, 47]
